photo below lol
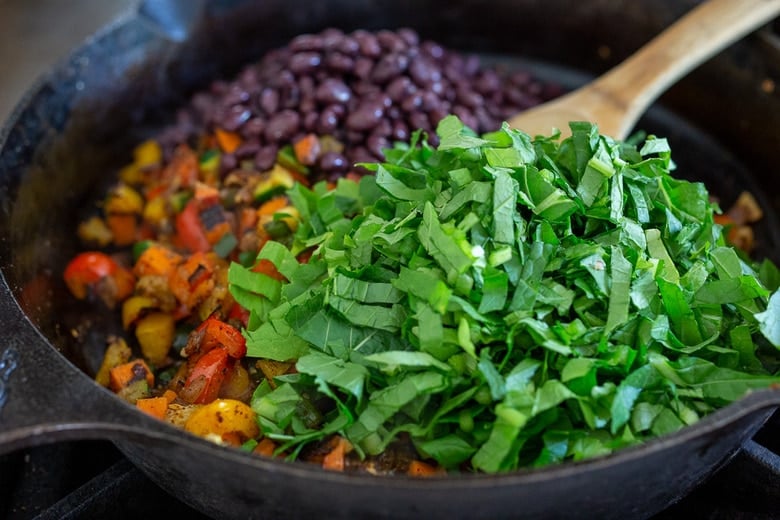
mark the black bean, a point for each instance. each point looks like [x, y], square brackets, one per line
[363, 67]
[487, 82]
[349, 46]
[411, 102]
[333, 91]
[383, 129]
[466, 96]
[227, 162]
[305, 62]
[269, 101]
[432, 49]
[339, 62]
[284, 79]
[409, 36]
[328, 121]
[423, 71]
[390, 41]
[234, 117]
[333, 161]
[366, 116]
[398, 88]
[466, 116]
[307, 42]
[369, 45]
[248, 148]
[393, 112]
[307, 86]
[360, 154]
[400, 131]
[430, 101]
[471, 66]
[290, 97]
[376, 144]
[282, 126]
[388, 67]
[310, 120]
[355, 137]
[332, 37]
[307, 105]
[235, 95]
[437, 114]
[365, 88]
[419, 120]
[266, 157]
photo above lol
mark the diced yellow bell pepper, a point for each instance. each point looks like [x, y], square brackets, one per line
[133, 307]
[147, 154]
[155, 210]
[155, 334]
[227, 419]
[116, 354]
[124, 199]
[95, 231]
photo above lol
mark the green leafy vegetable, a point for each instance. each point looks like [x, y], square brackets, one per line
[508, 302]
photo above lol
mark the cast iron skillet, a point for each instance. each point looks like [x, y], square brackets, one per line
[78, 124]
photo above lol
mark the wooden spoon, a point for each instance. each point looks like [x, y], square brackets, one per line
[616, 100]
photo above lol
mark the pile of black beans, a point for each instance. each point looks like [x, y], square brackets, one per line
[365, 89]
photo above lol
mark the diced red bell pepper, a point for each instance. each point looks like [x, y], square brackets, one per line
[215, 333]
[206, 377]
[189, 229]
[92, 270]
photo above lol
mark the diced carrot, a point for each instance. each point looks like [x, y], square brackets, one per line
[125, 283]
[272, 206]
[123, 375]
[232, 438]
[116, 354]
[267, 268]
[192, 281]
[183, 168]
[307, 149]
[169, 396]
[206, 194]
[334, 460]
[228, 141]
[157, 260]
[247, 220]
[123, 226]
[418, 468]
[265, 447]
[154, 406]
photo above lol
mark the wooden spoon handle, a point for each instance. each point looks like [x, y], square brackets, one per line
[701, 33]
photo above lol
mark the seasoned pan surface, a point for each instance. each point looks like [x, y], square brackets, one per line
[78, 124]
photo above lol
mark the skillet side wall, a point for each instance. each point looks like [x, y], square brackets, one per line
[83, 120]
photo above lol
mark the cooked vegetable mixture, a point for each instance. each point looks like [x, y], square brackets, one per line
[489, 303]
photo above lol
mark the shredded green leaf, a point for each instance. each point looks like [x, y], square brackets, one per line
[508, 302]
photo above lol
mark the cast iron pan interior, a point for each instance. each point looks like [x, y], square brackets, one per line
[79, 124]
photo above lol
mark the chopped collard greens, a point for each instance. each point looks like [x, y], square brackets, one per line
[506, 302]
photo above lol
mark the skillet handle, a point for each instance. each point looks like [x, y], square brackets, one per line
[45, 399]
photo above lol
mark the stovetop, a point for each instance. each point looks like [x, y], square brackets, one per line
[92, 479]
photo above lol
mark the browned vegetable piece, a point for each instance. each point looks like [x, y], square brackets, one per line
[116, 354]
